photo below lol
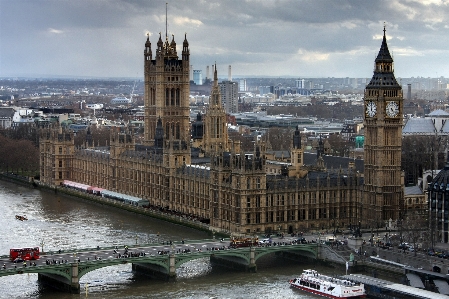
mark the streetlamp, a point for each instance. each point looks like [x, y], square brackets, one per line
[42, 245]
[136, 239]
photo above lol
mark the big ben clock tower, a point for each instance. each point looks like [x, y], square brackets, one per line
[383, 100]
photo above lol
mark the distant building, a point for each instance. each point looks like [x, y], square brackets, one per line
[120, 101]
[242, 85]
[263, 90]
[198, 77]
[435, 123]
[300, 83]
[6, 117]
[229, 96]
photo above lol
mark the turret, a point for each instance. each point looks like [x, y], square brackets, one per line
[297, 139]
[185, 49]
[147, 52]
[160, 46]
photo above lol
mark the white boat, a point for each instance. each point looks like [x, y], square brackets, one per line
[327, 286]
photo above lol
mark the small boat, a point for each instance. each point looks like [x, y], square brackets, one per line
[327, 286]
[21, 218]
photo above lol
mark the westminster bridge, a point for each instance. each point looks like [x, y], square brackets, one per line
[63, 270]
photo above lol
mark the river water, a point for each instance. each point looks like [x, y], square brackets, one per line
[60, 222]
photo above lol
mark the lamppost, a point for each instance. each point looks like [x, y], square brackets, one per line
[334, 232]
[42, 245]
[136, 239]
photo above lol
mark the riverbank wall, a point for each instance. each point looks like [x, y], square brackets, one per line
[175, 219]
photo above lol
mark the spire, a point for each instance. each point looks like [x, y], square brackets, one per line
[215, 92]
[215, 75]
[147, 52]
[185, 43]
[384, 53]
[383, 76]
[166, 20]
[173, 43]
[160, 43]
[185, 49]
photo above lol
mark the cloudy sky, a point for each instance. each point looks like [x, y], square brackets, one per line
[301, 38]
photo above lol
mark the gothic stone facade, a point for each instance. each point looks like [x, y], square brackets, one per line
[233, 191]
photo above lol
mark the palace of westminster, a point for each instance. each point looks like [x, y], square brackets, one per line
[226, 187]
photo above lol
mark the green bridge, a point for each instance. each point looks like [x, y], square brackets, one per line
[66, 275]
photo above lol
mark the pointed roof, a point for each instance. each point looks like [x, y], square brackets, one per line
[148, 43]
[383, 76]
[215, 97]
[384, 53]
[185, 43]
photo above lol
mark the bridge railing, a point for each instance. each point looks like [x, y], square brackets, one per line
[121, 246]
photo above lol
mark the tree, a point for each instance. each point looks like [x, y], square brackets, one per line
[279, 138]
[339, 145]
[414, 225]
[421, 152]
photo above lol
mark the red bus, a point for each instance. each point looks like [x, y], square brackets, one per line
[244, 242]
[25, 254]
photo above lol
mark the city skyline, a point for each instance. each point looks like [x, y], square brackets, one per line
[257, 38]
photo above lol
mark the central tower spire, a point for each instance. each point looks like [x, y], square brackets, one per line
[215, 128]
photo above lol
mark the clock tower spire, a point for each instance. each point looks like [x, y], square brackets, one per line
[384, 185]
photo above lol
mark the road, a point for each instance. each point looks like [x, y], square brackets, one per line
[130, 251]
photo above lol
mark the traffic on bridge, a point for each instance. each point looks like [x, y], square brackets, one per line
[128, 251]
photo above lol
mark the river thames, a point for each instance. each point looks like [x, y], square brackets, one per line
[60, 222]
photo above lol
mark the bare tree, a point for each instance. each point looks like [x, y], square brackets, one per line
[339, 145]
[279, 138]
[414, 225]
[422, 152]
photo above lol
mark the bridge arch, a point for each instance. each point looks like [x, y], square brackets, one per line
[262, 251]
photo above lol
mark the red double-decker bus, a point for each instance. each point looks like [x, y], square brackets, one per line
[25, 254]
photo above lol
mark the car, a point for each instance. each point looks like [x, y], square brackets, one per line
[18, 260]
[264, 241]
[301, 240]
[386, 246]
[404, 246]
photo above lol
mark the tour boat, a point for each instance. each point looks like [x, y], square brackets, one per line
[330, 287]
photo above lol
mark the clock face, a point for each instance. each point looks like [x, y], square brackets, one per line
[392, 109]
[371, 109]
